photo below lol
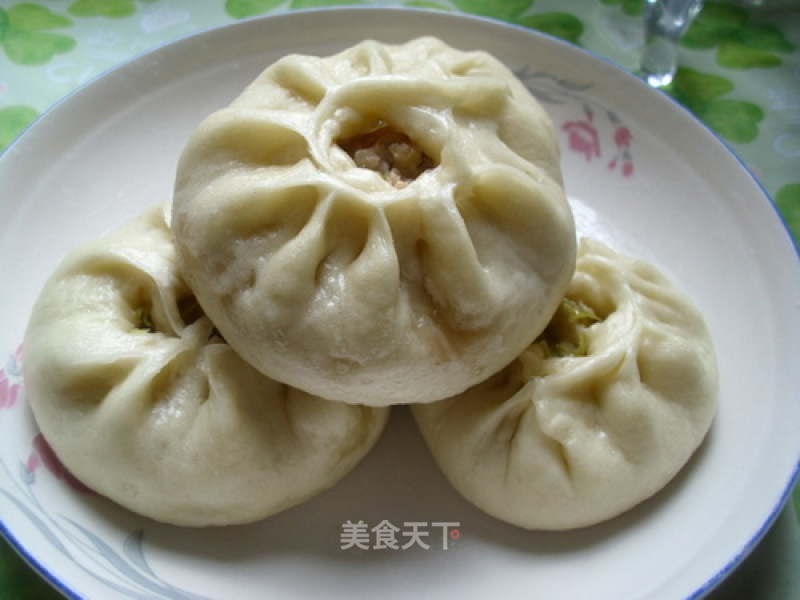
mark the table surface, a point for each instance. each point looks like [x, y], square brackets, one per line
[739, 72]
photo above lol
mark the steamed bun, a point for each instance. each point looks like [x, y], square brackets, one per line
[142, 399]
[381, 226]
[595, 416]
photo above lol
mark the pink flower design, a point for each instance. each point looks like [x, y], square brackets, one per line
[582, 136]
[32, 463]
[627, 168]
[622, 136]
[9, 392]
[42, 454]
[622, 140]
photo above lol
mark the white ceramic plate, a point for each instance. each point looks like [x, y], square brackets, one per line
[642, 174]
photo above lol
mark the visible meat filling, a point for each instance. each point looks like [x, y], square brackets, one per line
[394, 155]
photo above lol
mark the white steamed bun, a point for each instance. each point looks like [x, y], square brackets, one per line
[380, 226]
[144, 402]
[595, 416]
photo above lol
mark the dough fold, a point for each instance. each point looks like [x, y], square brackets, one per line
[381, 226]
[144, 402]
[596, 415]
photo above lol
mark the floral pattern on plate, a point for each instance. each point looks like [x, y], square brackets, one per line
[125, 570]
[583, 133]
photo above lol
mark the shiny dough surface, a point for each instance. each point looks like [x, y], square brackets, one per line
[563, 441]
[384, 225]
[145, 403]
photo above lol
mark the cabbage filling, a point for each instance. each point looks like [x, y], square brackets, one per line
[565, 334]
[143, 320]
[388, 152]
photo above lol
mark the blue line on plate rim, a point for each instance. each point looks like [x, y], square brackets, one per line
[738, 558]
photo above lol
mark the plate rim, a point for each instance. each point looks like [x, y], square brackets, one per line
[282, 13]
[287, 14]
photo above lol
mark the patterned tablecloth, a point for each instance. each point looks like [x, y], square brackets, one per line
[739, 73]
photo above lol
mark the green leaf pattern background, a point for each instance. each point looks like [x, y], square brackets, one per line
[743, 82]
[67, 42]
